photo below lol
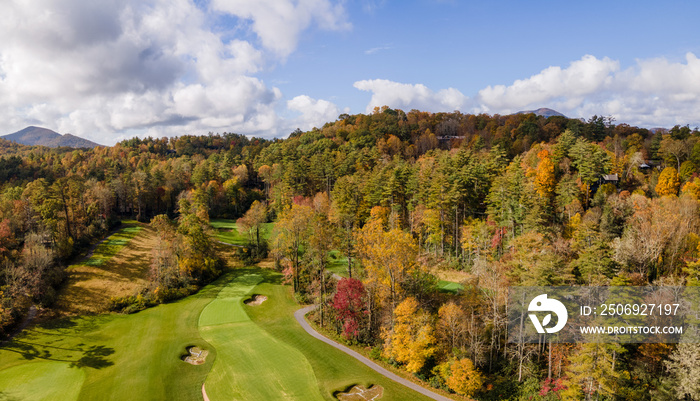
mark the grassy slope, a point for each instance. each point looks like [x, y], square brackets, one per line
[334, 370]
[111, 245]
[113, 269]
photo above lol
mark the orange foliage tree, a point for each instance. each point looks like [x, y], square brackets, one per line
[544, 179]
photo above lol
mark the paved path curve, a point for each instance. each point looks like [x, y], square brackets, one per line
[204, 393]
[299, 316]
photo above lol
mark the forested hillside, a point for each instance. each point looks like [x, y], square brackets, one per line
[403, 196]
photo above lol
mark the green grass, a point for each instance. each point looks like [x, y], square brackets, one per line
[334, 370]
[29, 382]
[111, 245]
[450, 286]
[251, 364]
[338, 264]
[226, 231]
[111, 357]
[255, 352]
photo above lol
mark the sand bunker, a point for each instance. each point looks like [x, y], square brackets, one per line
[359, 393]
[195, 355]
[255, 300]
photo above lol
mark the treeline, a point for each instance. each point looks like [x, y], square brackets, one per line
[554, 202]
[54, 203]
[509, 200]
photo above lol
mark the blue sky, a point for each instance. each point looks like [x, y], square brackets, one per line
[113, 69]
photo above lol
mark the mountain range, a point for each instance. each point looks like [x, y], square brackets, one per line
[544, 112]
[46, 137]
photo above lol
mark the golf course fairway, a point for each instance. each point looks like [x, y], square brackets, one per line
[255, 352]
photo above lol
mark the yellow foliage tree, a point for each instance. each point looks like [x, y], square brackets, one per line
[692, 188]
[544, 179]
[388, 256]
[412, 339]
[451, 325]
[464, 378]
[669, 182]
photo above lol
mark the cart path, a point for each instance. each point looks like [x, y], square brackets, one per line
[300, 314]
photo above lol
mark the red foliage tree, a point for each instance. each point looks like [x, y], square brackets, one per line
[349, 305]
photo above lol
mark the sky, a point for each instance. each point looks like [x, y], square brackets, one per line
[108, 70]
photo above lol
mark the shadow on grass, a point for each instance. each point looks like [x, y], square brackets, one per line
[94, 356]
[46, 341]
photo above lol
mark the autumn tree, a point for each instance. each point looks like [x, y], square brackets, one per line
[534, 262]
[668, 183]
[544, 179]
[412, 339]
[36, 274]
[350, 307]
[674, 150]
[657, 227]
[451, 326]
[164, 270]
[290, 236]
[253, 220]
[463, 377]
[388, 256]
[197, 256]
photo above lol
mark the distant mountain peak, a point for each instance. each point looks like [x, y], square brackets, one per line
[39, 136]
[543, 111]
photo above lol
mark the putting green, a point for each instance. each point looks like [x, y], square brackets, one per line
[250, 363]
[47, 380]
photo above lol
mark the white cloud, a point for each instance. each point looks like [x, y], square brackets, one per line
[410, 96]
[314, 112]
[112, 69]
[278, 23]
[653, 92]
[582, 78]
